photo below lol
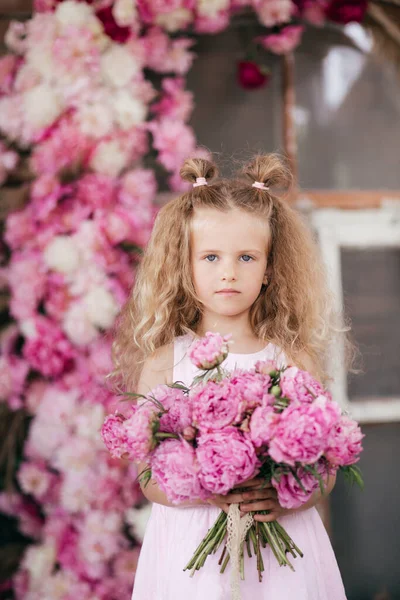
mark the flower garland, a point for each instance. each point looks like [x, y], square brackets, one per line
[75, 95]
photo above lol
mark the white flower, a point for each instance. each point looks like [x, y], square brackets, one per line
[62, 255]
[129, 111]
[42, 106]
[174, 20]
[211, 8]
[76, 455]
[39, 560]
[118, 66]
[124, 12]
[109, 158]
[77, 326]
[75, 494]
[136, 519]
[28, 328]
[101, 307]
[73, 13]
[95, 120]
[88, 422]
[40, 60]
[33, 480]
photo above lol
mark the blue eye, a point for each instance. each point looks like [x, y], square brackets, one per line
[211, 257]
[246, 258]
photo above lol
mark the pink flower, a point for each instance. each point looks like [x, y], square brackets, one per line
[114, 435]
[13, 373]
[285, 41]
[300, 386]
[139, 429]
[19, 229]
[251, 76]
[254, 389]
[97, 190]
[165, 55]
[262, 425]
[176, 103]
[216, 405]
[346, 11]
[344, 443]
[290, 493]
[301, 434]
[49, 351]
[179, 407]
[226, 459]
[266, 367]
[112, 29]
[209, 351]
[65, 148]
[212, 24]
[8, 69]
[34, 479]
[274, 12]
[173, 140]
[45, 193]
[8, 161]
[176, 470]
[27, 280]
[138, 187]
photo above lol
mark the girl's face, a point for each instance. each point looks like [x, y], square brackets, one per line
[228, 259]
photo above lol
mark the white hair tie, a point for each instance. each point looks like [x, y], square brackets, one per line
[260, 185]
[200, 181]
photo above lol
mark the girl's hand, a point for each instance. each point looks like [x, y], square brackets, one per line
[219, 501]
[257, 496]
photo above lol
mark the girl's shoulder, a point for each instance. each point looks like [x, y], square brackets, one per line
[157, 368]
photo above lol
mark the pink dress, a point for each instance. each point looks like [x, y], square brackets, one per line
[173, 534]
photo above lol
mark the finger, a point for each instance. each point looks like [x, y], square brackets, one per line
[258, 495]
[272, 516]
[233, 498]
[254, 506]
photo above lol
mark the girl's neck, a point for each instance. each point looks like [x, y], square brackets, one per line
[244, 338]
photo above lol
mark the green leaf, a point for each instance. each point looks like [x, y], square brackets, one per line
[353, 475]
[144, 476]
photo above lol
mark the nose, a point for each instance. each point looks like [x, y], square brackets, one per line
[228, 272]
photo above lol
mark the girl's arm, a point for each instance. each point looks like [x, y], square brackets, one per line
[157, 370]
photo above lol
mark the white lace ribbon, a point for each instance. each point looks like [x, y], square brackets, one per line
[237, 528]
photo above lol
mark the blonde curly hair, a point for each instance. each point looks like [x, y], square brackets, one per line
[295, 310]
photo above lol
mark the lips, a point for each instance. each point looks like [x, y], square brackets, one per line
[228, 291]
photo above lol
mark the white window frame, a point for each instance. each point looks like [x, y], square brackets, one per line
[364, 228]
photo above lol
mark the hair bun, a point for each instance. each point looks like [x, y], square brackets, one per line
[193, 168]
[270, 169]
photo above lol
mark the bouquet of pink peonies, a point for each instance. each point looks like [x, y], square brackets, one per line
[278, 424]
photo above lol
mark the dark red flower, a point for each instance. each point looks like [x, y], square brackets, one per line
[251, 76]
[112, 29]
[346, 11]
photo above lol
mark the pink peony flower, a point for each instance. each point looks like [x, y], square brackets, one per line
[139, 429]
[173, 140]
[175, 103]
[175, 469]
[114, 435]
[226, 459]
[27, 280]
[19, 229]
[8, 68]
[45, 193]
[266, 367]
[290, 493]
[34, 479]
[344, 443]
[285, 41]
[302, 432]
[138, 187]
[49, 351]
[216, 405]
[112, 29]
[346, 11]
[179, 407]
[254, 390]
[209, 351]
[13, 374]
[97, 190]
[251, 76]
[274, 12]
[262, 425]
[300, 386]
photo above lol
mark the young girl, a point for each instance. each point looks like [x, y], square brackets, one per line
[229, 257]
